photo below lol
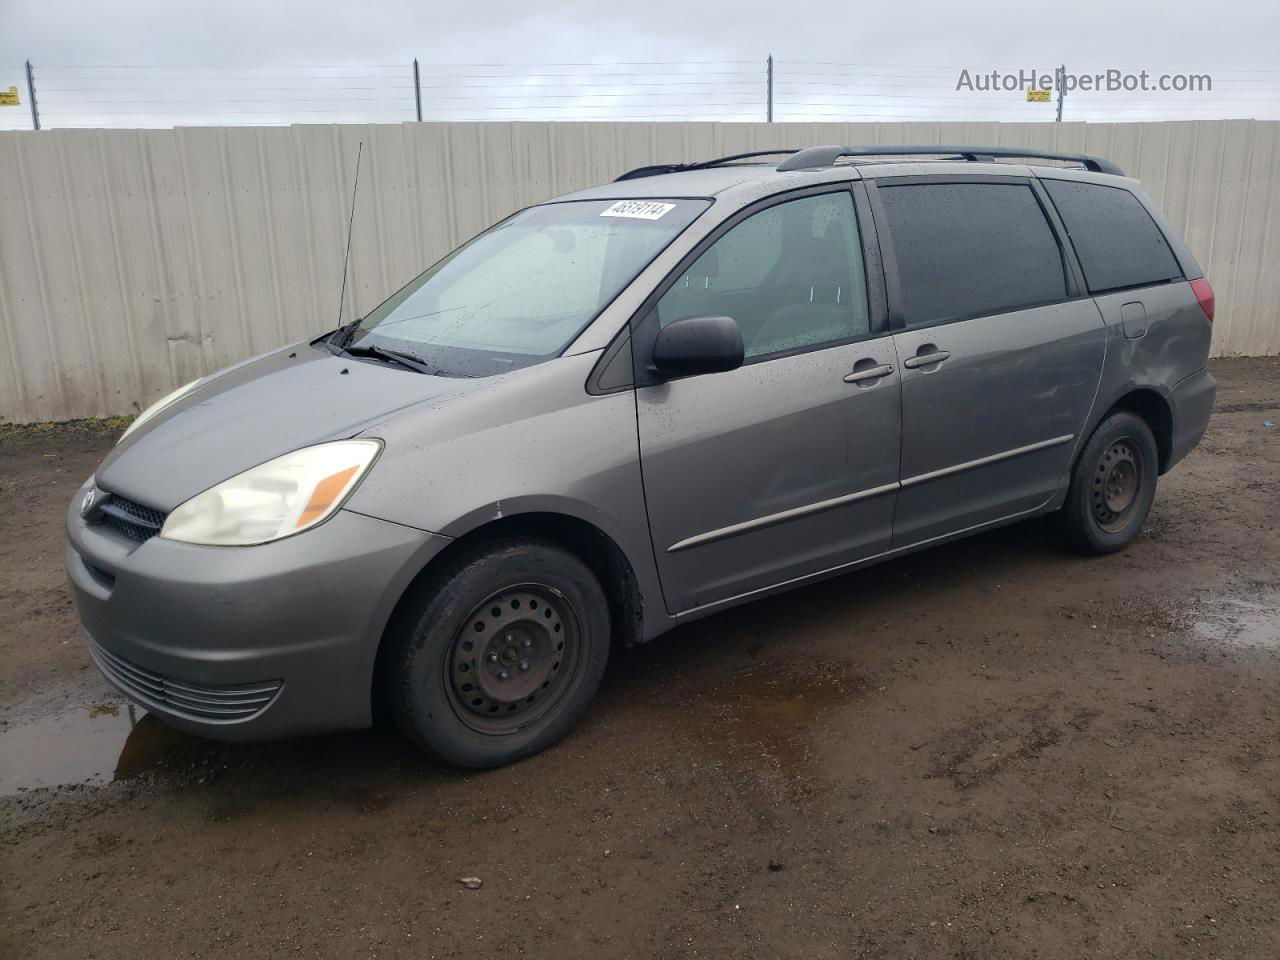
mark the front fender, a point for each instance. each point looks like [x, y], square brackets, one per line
[533, 441]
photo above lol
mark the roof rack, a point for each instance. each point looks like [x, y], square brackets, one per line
[658, 168]
[814, 157]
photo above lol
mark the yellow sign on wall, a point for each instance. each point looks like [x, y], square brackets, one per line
[9, 98]
[1037, 96]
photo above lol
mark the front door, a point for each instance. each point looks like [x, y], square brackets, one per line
[787, 466]
[1001, 352]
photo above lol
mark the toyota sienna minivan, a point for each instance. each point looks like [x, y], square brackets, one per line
[630, 407]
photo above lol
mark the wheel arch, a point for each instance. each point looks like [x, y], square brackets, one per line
[587, 541]
[1154, 408]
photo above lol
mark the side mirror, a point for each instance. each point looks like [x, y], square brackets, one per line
[698, 345]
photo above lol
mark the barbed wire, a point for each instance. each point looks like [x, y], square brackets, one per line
[140, 95]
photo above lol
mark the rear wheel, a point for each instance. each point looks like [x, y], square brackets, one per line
[1113, 485]
[499, 656]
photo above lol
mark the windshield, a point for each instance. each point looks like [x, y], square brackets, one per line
[519, 293]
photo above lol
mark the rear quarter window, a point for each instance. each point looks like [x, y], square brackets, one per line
[1118, 243]
[971, 249]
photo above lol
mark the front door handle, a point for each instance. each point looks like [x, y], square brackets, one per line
[923, 359]
[870, 373]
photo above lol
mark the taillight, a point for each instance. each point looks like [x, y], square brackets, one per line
[1204, 296]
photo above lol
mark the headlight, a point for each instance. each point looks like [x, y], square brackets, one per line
[159, 405]
[281, 497]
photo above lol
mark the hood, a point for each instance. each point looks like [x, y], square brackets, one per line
[256, 411]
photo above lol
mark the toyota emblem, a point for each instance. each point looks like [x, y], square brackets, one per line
[87, 504]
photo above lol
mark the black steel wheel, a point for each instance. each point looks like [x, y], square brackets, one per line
[499, 654]
[1117, 480]
[1113, 485]
[513, 658]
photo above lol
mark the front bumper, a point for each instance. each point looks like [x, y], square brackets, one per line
[1192, 403]
[245, 643]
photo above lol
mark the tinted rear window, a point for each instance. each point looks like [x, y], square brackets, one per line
[971, 249]
[1118, 243]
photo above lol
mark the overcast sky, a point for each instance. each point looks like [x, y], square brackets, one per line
[1235, 40]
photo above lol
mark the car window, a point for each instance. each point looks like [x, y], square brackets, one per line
[558, 272]
[791, 276]
[971, 249]
[1118, 243]
[521, 291]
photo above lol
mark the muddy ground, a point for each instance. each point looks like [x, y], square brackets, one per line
[989, 750]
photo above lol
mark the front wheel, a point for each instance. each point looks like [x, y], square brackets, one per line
[500, 655]
[1113, 485]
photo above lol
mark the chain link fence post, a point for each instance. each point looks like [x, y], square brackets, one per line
[769, 89]
[417, 89]
[31, 93]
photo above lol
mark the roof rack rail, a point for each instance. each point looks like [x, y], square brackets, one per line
[659, 168]
[813, 157]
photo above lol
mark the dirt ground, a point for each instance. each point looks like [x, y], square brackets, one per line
[989, 750]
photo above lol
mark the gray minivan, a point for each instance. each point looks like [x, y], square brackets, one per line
[631, 407]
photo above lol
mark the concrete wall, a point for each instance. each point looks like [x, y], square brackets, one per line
[132, 261]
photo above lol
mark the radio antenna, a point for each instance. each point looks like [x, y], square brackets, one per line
[355, 186]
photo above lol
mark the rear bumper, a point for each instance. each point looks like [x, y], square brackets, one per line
[1192, 403]
[245, 643]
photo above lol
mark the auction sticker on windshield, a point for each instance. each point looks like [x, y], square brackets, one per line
[639, 209]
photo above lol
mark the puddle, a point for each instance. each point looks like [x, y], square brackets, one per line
[91, 745]
[771, 713]
[1244, 623]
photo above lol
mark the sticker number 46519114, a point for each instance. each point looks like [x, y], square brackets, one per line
[638, 209]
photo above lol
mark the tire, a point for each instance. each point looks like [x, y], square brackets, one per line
[499, 655]
[1113, 485]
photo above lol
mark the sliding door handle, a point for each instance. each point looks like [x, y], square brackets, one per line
[925, 359]
[871, 373]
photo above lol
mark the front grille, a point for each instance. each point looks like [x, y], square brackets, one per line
[219, 704]
[131, 519]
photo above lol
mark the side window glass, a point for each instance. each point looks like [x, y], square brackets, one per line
[971, 249]
[791, 275]
[1118, 243]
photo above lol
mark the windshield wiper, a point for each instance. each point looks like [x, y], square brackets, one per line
[344, 334]
[395, 356]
